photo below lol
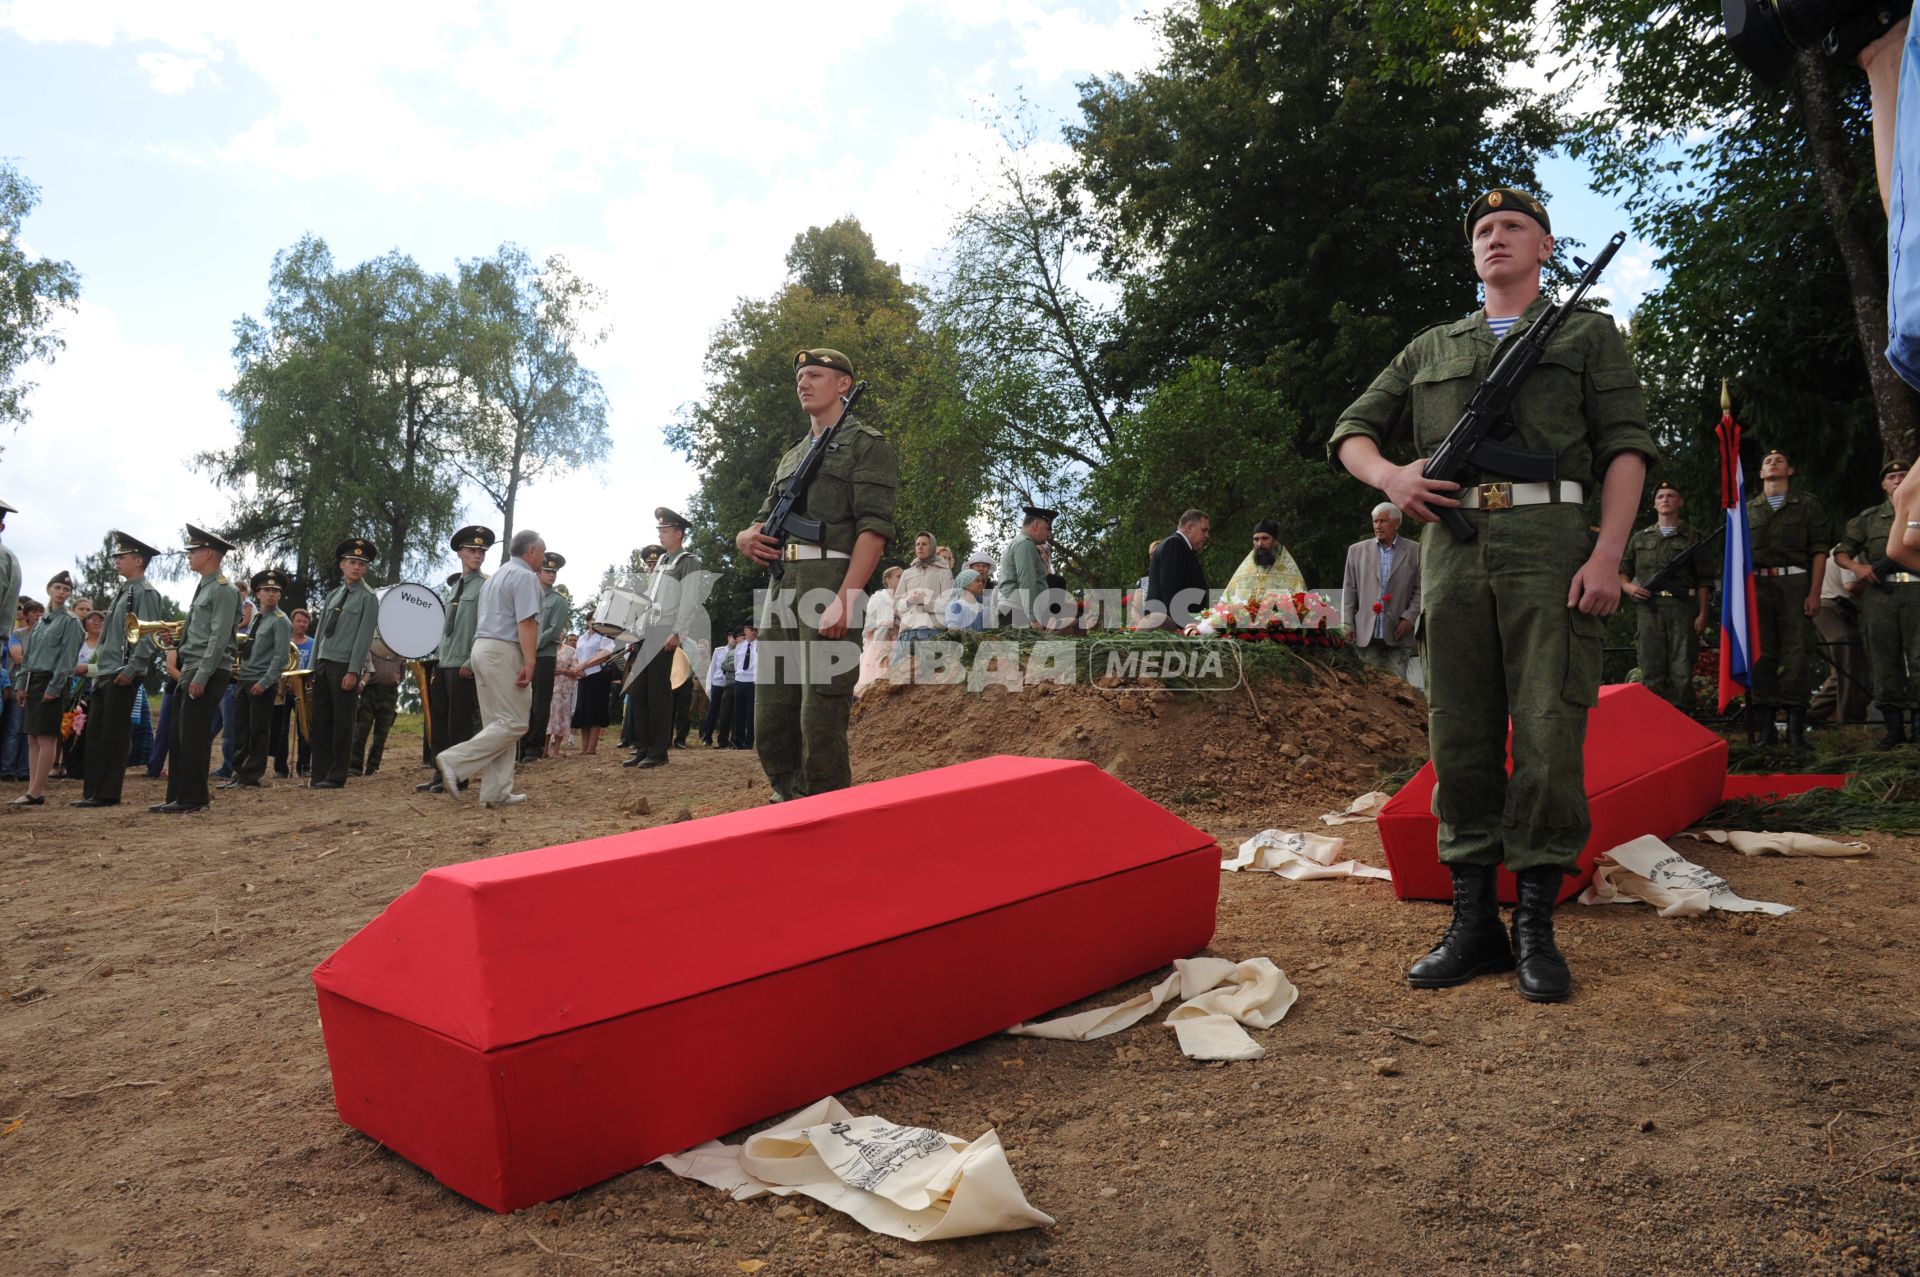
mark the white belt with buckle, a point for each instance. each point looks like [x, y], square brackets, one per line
[1902, 578]
[1779, 571]
[1504, 496]
[796, 550]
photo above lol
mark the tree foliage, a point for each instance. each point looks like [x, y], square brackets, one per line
[33, 290]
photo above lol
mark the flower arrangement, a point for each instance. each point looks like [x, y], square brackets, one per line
[1301, 618]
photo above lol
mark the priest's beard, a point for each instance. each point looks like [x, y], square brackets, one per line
[1265, 558]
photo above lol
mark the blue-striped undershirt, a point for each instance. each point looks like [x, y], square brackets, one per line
[1500, 326]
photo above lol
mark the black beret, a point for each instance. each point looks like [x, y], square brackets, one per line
[1507, 199]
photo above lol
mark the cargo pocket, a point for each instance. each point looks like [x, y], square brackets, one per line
[1585, 635]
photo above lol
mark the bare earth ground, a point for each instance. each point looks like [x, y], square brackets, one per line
[1732, 1093]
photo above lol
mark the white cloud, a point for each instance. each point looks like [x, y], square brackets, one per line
[170, 73]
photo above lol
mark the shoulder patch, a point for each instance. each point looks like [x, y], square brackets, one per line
[865, 429]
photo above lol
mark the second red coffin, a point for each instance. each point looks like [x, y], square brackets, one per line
[526, 1026]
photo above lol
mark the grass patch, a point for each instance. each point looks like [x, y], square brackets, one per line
[1882, 795]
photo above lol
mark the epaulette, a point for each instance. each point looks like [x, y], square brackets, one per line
[862, 426]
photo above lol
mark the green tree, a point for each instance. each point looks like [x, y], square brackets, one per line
[32, 292]
[540, 410]
[351, 409]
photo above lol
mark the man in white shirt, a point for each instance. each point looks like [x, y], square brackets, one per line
[506, 640]
[746, 659]
[720, 694]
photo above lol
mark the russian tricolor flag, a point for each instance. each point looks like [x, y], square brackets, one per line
[1739, 610]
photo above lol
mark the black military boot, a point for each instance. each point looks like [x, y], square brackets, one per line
[1475, 941]
[1896, 724]
[1543, 972]
[1797, 727]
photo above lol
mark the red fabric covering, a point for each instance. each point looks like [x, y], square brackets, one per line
[526, 1026]
[1649, 770]
[1777, 786]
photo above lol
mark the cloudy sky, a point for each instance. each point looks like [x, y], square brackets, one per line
[670, 152]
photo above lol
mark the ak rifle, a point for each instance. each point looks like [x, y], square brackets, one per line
[1476, 442]
[786, 519]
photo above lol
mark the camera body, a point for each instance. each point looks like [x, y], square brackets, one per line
[1765, 34]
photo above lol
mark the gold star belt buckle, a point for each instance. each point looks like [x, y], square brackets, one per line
[1496, 496]
[790, 552]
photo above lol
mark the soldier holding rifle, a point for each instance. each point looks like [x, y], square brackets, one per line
[1514, 609]
[1672, 611]
[804, 690]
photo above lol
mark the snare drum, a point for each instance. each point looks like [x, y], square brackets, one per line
[620, 615]
[411, 620]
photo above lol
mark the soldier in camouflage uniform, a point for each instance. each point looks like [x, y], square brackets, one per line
[1889, 612]
[1791, 534]
[1512, 621]
[806, 672]
[1668, 621]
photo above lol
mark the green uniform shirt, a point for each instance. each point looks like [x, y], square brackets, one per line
[1790, 536]
[1021, 577]
[463, 617]
[553, 622]
[139, 600]
[853, 492]
[344, 629]
[9, 582]
[1865, 537]
[1582, 403]
[54, 645]
[267, 657]
[1648, 553]
[207, 644]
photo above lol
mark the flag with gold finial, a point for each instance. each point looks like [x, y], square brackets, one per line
[1739, 608]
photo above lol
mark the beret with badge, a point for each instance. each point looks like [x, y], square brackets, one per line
[1507, 199]
[822, 357]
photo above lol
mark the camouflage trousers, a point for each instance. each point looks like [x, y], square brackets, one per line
[803, 688]
[1499, 642]
[379, 702]
[1890, 624]
[1781, 677]
[1666, 645]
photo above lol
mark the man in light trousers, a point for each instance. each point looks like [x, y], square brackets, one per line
[505, 643]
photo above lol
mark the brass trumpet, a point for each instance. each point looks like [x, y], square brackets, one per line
[138, 629]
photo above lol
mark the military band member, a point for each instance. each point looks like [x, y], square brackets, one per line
[270, 634]
[52, 649]
[674, 598]
[1512, 621]
[1669, 621]
[804, 686]
[121, 671]
[1889, 612]
[1023, 573]
[553, 627]
[1791, 534]
[462, 694]
[343, 634]
[201, 660]
[433, 728]
[10, 577]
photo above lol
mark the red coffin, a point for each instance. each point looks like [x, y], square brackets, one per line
[1650, 770]
[525, 1026]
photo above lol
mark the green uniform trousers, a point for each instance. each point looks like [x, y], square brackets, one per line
[333, 712]
[371, 723]
[1780, 677]
[254, 731]
[1890, 624]
[804, 686]
[650, 702]
[461, 721]
[1666, 645]
[1499, 642]
[109, 738]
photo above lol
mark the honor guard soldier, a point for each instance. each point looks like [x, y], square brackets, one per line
[674, 598]
[52, 650]
[1791, 534]
[1669, 619]
[343, 633]
[804, 688]
[459, 692]
[1512, 620]
[264, 660]
[201, 660]
[553, 627]
[1889, 612]
[122, 673]
[1023, 573]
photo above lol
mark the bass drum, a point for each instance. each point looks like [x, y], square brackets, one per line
[621, 615]
[410, 623]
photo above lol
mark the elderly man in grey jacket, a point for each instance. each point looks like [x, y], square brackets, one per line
[1380, 593]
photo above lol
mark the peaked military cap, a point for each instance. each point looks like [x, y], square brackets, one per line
[62, 577]
[124, 544]
[473, 537]
[823, 358]
[1894, 467]
[6, 509]
[201, 539]
[666, 518]
[269, 579]
[553, 562]
[356, 548]
[1039, 512]
[653, 551]
[1507, 199]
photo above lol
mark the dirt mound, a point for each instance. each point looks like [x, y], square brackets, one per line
[1270, 747]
